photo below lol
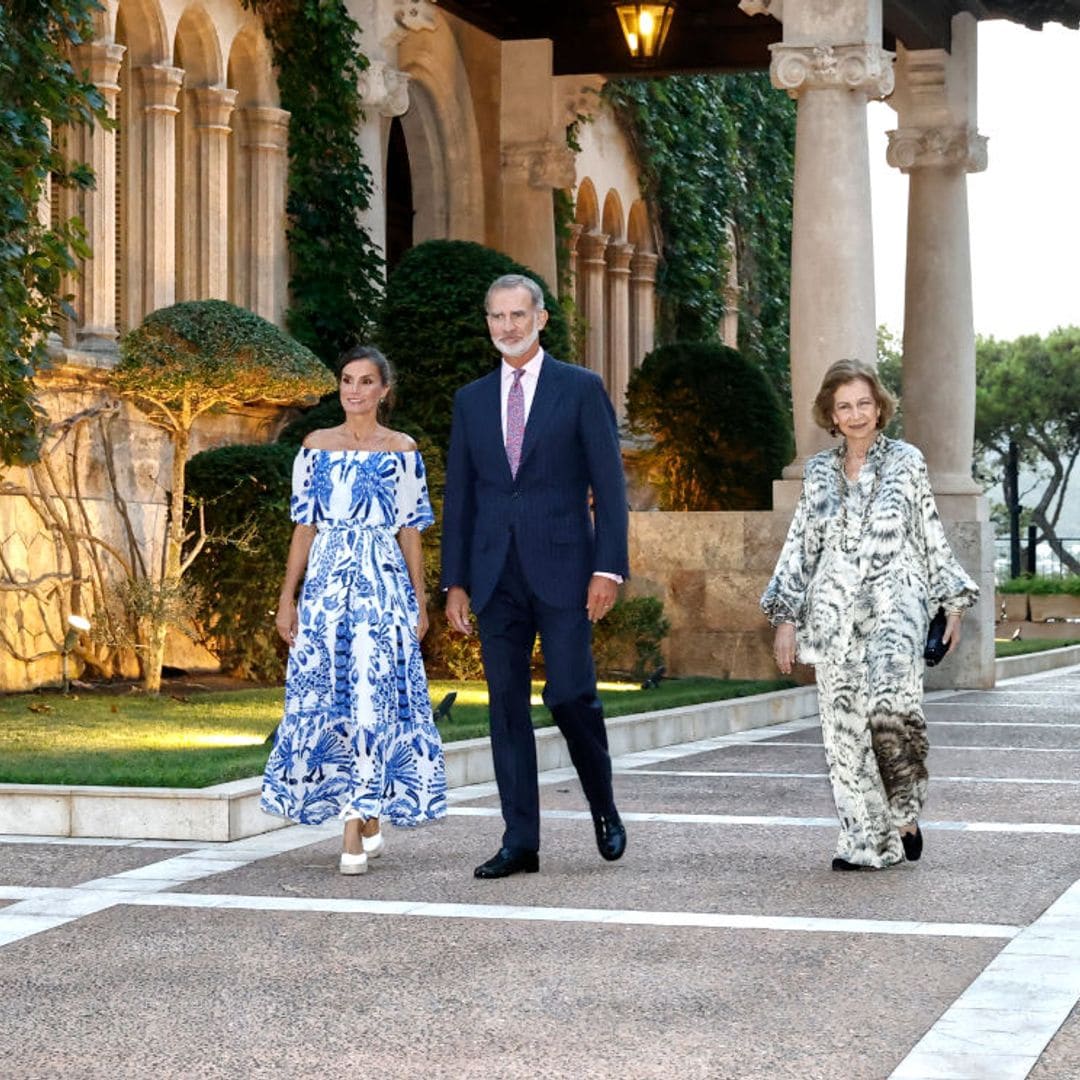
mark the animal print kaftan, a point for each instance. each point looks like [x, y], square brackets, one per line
[864, 565]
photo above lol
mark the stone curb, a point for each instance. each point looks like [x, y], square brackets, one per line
[1010, 667]
[231, 811]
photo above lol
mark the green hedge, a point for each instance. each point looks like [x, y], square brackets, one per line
[719, 434]
[433, 331]
[1042, 585]
[245, 491]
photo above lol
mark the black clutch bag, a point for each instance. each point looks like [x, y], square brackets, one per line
[935, 645]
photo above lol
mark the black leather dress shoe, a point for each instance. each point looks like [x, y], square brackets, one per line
[610, 835]
[508, 861]
[912, 844]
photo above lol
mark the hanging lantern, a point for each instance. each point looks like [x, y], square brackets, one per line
[645, 28]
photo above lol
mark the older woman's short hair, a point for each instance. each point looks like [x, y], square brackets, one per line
[845, 371]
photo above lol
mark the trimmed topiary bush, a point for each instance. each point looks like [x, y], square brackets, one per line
[433, 331]
[719, 434]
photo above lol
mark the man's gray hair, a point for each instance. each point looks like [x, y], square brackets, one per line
[516, 281]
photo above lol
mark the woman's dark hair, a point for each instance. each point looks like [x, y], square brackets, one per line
[841, 373]
[382, 365]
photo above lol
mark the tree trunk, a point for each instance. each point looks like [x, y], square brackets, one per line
[170, 576]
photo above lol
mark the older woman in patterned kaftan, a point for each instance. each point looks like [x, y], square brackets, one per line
[358, 741]
[865, 564]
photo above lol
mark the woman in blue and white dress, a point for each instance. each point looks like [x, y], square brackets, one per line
[357, 741]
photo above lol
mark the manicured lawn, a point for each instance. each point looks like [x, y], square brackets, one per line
[1021, 648]
[207, 738]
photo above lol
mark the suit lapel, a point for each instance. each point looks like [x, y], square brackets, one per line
[543, 406]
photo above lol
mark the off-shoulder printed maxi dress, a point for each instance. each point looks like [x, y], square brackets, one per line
[357, 738]
[864, 566]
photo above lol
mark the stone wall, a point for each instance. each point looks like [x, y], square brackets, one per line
[112, 532]
[710, 569]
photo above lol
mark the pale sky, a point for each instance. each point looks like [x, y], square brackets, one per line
[1024, 210]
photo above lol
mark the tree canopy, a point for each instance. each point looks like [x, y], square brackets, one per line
[204, 355]
[39, 91]
[1028, 392]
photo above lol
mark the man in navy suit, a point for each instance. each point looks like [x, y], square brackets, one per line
[521, 546]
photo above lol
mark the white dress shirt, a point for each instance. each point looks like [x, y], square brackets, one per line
[529, 378]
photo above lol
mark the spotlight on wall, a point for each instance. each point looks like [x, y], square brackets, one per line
[645, 28]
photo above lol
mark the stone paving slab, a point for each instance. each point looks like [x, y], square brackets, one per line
[55, 865]
[673, 867]
[1054, 736]
[1061, 1059]
[761, 757]
[343, 996]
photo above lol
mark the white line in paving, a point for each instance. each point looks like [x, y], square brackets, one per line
[710, 920]
[936, 746]
[54, 907]
[983, 1034]
[1036, 828]
[1000, 723]
[825, 776]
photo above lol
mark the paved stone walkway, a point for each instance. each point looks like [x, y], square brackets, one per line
[721, 946]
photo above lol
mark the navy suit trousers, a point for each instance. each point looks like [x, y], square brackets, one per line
[509, 623]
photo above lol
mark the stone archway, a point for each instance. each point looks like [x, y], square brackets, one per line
[400, 209]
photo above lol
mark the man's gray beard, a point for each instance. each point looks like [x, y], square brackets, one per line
[521, 348]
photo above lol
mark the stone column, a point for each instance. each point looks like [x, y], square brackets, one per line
[592, 267]
[572, 258]
[264, 145]
[618, 324]
[936, 144]
[160, 85]
[535, 157]
[213, 108]
[642, 305]
[95, 286]
[830, 62]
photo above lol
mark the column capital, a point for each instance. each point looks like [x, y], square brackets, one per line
[213, 107]
[575, 231]
[937, 147]
[775, 8]
[383, 87]
[160, 84]
[101, 60]
[643, 265]
[797, 68]
[618, 257]
[543, 164]
[591, 247]
[265, 127]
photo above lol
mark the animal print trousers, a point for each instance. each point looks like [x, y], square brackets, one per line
[874, 732]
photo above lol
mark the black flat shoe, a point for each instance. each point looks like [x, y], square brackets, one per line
[843, 864]
[912, 844]
[508, 861]
[610, 835]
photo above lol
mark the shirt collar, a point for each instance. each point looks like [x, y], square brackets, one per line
[530, 367]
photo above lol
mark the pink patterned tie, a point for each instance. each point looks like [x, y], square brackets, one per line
[515, 422]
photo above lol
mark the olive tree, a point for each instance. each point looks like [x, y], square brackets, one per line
[182, 363]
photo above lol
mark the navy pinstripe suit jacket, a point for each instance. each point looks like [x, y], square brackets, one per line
[571, 446]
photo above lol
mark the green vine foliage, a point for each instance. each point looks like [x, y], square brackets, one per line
[717, 150]
[39, 88]
[336, 270]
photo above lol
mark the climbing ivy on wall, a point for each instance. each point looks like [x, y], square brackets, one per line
[335, 282]
[39, 89]
[717, 150]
